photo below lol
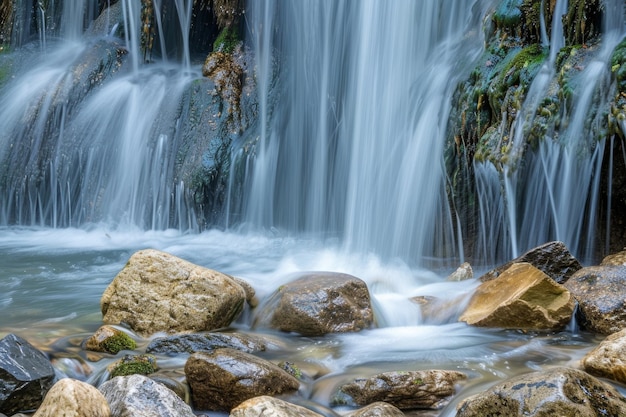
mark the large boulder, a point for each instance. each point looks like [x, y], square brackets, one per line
[72, 398]
[431, 389]
[224, 378]
[601, 296]
[552, 258]
[608, 360]
[270, 407]
[555, 392]
[140, 396]
[26, 375]
[522, 297]
[319, 303]
[158, 292]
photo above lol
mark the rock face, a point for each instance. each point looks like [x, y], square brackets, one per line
[189, 343]
[224, 378]
[552, 258]
[601, 297]
[608, 360]
[72, 398]
[270, 407]
[139, 396]
[158, 292]
[522, 297]
[320, 303]
[26, 375]
[557, 392]
[405, 390]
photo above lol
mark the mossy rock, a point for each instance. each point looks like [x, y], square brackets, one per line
[508, 14]
[134, 364]
[618, 66]
[227, 40]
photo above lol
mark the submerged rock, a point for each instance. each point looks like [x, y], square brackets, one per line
[319, 303]
[608, 360]
[522, 297]
[269, 406]
[72, 398]
[158, 292]
[556, 392]
[26, 375]
[430, 389]
[224, 378]
[601, 297]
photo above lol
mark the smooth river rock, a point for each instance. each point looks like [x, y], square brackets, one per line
[522, 297]
[190, 343]
[72, 398]
[608, 359]
[158, 292]
[267, 406]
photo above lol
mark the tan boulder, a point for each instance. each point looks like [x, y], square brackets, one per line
[522, 297]
[72, 398]
[608, 360]
[615, 259]
[158, 292]
[377, 409]
[270, 407]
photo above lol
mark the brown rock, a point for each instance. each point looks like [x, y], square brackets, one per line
[224, 378]
[608, 360]
[601, 296]
[430, 389]
[552, 258]
[72, 398]
[616, 259]
[109, 339]
[556, 392]
[320, 303]
[522, 297]
[270, 407]
[158, 292]
[377, 409]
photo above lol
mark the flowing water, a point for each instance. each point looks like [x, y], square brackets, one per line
[346, 175]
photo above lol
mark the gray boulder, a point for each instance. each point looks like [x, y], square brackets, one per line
[601, 296]
[158, 292]
[319, 303]
[555, 392]
[140, 396]
[224, 378]
[189, 343]
[26, 375]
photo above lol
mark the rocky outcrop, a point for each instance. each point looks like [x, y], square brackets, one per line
[430, 389]
[69, 397]
[190, 343]
[224, 378]
[269, 406]
[522, 297]
[26, 375]
[601, 297]
[559, 391]
[552, 258]
[158, 292]
[608, 360]
[110, 340]
[139, 396]
[319, 303]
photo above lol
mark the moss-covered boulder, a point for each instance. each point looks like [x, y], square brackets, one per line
[133, 364]
[110, 340]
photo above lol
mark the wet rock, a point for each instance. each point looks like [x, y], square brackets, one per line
[133, 364]
[140, 396]
[608, 360]
[522, 297]
[430, 389]
[241, 375]
[251, 298]
[377, 409]
[269, 406]
[69, 397]
[26, 375]
[177, 387]
[462, 273]
[601, 297]
[552, 258]
[110, 340]
[158, 292]
[319, 303]
[189, 343]
[615, 259]
[558, 392]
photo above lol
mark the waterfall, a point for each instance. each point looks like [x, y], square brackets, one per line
[352, 133]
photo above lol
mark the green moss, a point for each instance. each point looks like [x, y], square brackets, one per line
[130, 365]
[291, 368]
[118, 342]
[618, 66]
[227, 40]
